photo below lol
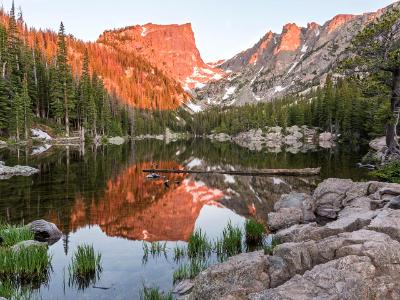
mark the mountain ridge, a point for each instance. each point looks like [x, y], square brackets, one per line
[294, 61]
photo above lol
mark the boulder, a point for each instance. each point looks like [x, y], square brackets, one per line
[298, 200]
[24, 244]
[8, 172]
[378, 144]
[326, 137]
[220, 137]
[329, 195]
[284, 218]
[183, 287]
[233, 279]
[387, 221]
[117, 140]
[276, 129]
[351, 277]
[45, 231]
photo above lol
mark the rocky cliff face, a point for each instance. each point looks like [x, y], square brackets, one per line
[293, 61]
[171, 48]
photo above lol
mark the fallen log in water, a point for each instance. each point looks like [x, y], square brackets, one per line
[266, 172]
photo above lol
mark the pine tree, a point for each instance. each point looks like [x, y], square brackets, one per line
[4, 106]
[61, 85]
[26, 108]
[376, 49]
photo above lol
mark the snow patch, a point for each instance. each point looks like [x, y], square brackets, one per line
[40, 134]
[229, 179]
[279, 88]
[199, 85]
[292, 67]
[194, 107]
[144, 31]
[255, 77]
[317, 33]
[194, 163]
[229, 92]
[304, 49]
[41, 149]
[277, 181]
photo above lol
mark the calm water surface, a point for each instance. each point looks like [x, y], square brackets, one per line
[100, 196]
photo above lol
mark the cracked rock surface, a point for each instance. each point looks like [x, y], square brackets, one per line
[355, 255]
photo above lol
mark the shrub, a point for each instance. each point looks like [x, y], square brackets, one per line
[390, 172]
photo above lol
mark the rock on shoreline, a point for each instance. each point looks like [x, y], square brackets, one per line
[294, 138]
[8, 172]
[355, 255]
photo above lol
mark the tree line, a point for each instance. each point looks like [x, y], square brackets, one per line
[37, 89]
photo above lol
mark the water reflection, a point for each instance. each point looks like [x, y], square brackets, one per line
[101, 196]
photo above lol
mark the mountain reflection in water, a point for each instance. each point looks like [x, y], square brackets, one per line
[100, 196]
[105, 186]
[137, 208]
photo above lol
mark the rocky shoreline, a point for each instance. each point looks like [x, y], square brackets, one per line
[295, 139]
[341, 242]
[8, 172]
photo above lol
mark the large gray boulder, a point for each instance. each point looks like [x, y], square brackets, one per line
[291, 209]
[233, 279]
[387, 221]
[351, 277]
[284, 218]
[329, 196]
[45, 231]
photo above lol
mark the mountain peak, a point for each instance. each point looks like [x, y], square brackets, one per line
[338, 21]
[290, 38]
[172, 48]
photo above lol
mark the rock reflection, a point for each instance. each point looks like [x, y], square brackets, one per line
[136, 208]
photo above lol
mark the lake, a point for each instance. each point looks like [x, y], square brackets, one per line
[100, 196]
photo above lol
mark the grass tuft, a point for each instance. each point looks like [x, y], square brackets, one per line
[154, 294]
[11, 235]
[189, 270]
[85, 267]
[198, 245]
[25, 265]
[179, 253]
[11, 292]
[254, 232]
[231, 243]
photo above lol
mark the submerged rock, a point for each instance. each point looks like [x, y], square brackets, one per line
[45, 231]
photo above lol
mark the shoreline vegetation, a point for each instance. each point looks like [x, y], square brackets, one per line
[25, 263]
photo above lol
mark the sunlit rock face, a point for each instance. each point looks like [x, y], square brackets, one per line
[172, 48]
[134, 207]
[294, 61]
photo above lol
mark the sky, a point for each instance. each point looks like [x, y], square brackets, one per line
[222, 28]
